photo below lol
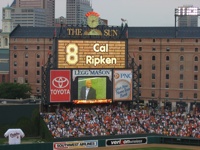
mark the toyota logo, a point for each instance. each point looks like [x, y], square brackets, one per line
[60, 82]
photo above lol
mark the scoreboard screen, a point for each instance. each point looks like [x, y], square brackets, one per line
[99, 82]
[91, 54]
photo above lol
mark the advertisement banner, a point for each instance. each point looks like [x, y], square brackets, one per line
[92, 72]
[75, 144]
[126, 141]
[122, 85]
[60, 85]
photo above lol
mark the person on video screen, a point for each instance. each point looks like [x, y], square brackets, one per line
[87, 91]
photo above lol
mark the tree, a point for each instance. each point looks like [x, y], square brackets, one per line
[14, 90]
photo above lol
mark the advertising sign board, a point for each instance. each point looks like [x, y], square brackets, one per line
[122, 85]
[126, 141]
[75, 144]
[60, 85]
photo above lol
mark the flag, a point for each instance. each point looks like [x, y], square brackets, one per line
[127, 32]
[54, 34]
[123, 19]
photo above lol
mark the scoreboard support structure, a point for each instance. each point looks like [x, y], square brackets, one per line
[45, 78]
[135, 81]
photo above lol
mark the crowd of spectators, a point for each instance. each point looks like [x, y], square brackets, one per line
[119, 118]
[172, 123]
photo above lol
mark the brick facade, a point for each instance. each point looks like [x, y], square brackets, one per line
[169, 67]
[27, 55]
[175, 64]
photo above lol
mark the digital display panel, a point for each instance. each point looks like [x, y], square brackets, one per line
[92, 88]
[91, 54]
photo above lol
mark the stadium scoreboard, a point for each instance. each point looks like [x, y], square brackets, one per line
[91, 54]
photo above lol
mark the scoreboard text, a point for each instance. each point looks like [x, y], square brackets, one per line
[91, 54]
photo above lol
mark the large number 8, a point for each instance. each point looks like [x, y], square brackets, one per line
[71, 54]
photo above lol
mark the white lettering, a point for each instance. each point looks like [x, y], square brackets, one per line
[60, 92]
[115, 142]
[100, 60]
[132, 141]
[100, 48]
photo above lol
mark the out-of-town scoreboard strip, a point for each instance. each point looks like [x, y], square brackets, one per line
[91, 54]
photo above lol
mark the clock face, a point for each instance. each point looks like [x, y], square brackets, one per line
[93, 21]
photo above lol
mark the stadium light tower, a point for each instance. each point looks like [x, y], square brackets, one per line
[182, 13]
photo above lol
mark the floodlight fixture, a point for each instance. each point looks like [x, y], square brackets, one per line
[187, 11]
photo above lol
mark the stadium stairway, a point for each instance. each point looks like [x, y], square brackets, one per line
[141, 125]
[93, 112]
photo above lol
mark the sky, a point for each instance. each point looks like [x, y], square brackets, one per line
[138, 13]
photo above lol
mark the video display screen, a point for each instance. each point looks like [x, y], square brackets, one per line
[92, 88]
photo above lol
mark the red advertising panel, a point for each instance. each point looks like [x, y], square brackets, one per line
[60, 86]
